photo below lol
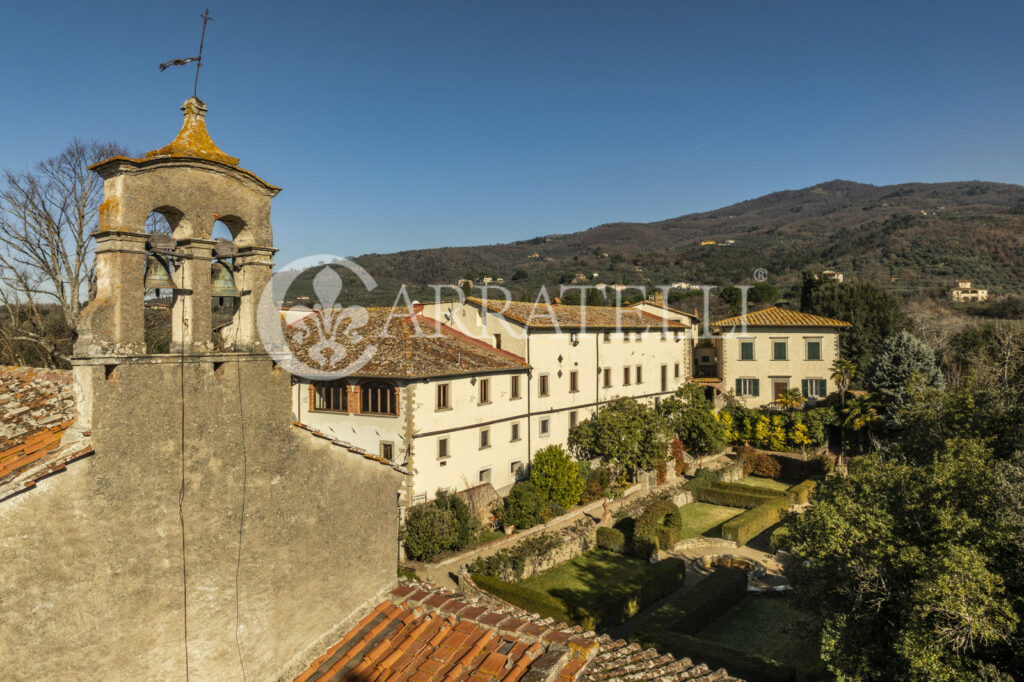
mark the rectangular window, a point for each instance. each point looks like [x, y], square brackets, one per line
[625, 337]
[748, 387]
[574, 381]
[485, 476]
[814, 350]
[330, 396]
[545, 426]
[514, 391]
[387, 451]
[542, 385]
[574, 338]
[664, 376]
[625, 376]
[639, 336]
[814, 388]
[675, 335]
[778, 350]
[746, 350]
[515, 432]
[664, 335]
[485, 391]
[676, 370]
[497, 341]
[607, 377]
[516, 470]
[639, 374]
[485, 438]
[573, 416]
[607, 337]
[442, 448]
[442, 396]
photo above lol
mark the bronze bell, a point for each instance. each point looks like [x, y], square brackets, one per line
[222, 282]
[158, 274]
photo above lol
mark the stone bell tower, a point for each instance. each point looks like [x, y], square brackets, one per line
[192, 184]
[207, 537]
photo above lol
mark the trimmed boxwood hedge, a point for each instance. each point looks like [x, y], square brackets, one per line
[801, 492]
[732, 495]
[694, 609]
[611, 539]
[741, 529]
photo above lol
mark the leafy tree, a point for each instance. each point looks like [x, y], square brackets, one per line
[627, 435]
[428, 531]
[464, 524]
[860, 416]
[557, 476]
[524, 507]
[873, 312]
[899, 358]
[912, 568]
[691, 417]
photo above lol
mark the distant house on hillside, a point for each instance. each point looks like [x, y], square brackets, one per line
[965, 293]
[832, 275]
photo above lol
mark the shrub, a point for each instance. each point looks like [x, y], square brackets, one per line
[740, 529]
[557, 476]
[757, 463]
[702, 478]
[676, 449]
[612, 539]
[694, 609]
[674, 519]
[465, 525]
[597, 484]
[801, 492]
[779, 539]
[524, 507]
[428, 531]
[731, 495]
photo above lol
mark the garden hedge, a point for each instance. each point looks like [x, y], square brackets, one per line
[658, 526]
[611, 539]
[741, 529]
[734, 495]
[801, 492]
[531, 600]
[694, 609]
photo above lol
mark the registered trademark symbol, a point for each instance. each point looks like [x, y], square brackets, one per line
[760, 274]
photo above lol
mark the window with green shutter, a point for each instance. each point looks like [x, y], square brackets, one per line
[814, 350]
[778, 350]
[746, 350]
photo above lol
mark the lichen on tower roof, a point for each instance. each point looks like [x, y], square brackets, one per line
[193, 140]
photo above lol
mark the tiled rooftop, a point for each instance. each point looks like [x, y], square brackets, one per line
[780, 317]
[425, 633]
[36, 408]
[403, 346]
[573, 317]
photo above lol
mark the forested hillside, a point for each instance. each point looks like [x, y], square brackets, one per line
[915, 238]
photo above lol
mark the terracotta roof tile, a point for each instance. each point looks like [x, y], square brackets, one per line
[37, 407]
[421, 633]
[572, 317]
[396, 346]
[780, 317]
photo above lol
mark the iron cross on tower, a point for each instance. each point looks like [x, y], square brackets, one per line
[205, 16]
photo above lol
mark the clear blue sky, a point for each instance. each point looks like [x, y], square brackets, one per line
[395, 125]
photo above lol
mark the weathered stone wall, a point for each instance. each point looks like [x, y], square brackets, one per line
[92, 583]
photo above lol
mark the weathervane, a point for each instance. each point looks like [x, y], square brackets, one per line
[198, 60]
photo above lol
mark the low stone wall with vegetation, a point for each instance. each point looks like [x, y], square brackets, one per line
[537, 553]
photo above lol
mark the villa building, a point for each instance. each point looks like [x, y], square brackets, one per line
[763, 353]
[965, 293]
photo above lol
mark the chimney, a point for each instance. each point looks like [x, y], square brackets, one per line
[659, 297]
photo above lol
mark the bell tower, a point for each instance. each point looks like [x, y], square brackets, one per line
[193, 184]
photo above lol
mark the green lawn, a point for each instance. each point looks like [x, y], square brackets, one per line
[700, 518]
[599, 583]
[770, 627]
[767, 483]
